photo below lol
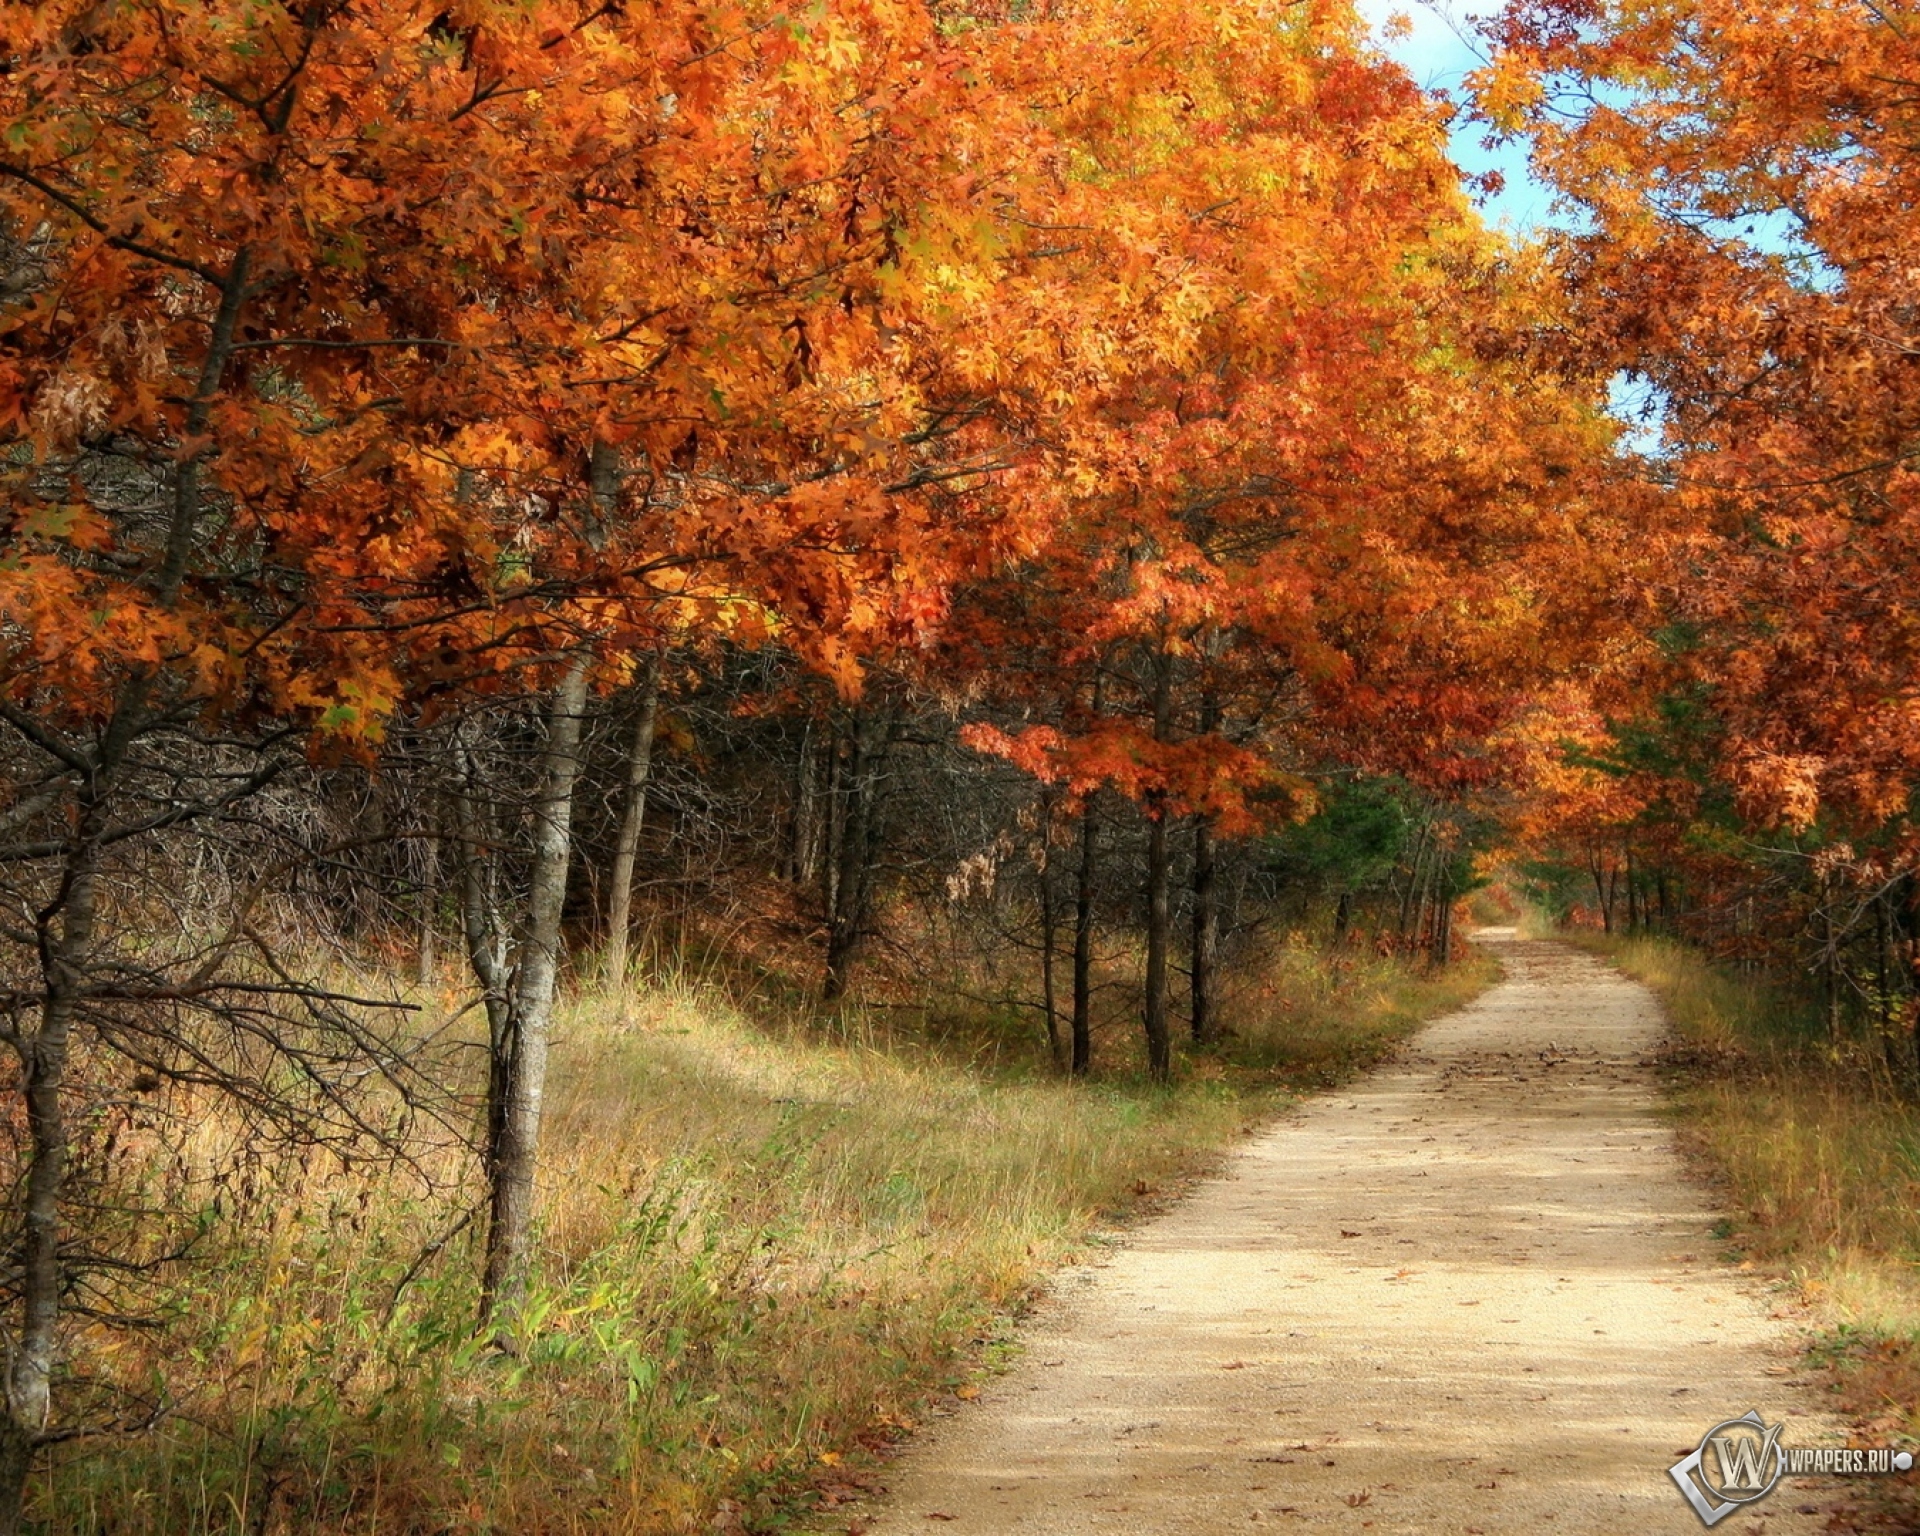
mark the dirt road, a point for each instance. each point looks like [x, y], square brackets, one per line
[1476, 1292]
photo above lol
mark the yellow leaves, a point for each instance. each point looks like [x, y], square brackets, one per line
[1508, 90]
[1780, 789]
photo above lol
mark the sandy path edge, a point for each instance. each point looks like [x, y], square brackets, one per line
[1474, 1292]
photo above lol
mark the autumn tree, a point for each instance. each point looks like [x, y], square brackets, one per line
[1309, 524]
[1745, 188]
[1744, 182]
[358, 356]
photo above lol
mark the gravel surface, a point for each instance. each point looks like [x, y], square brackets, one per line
[1475, 1292]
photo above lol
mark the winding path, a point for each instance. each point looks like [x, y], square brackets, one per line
[1476, 1292]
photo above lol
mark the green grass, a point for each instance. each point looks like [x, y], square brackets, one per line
[765, 1251]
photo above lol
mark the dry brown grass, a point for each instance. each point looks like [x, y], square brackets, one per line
[765, 1249]
[1821, 1164]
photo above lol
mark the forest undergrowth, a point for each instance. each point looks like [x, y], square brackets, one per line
[772, 1242]
[1818, 1154]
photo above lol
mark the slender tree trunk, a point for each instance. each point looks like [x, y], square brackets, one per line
[1203, 1005]
[17, 1444]
[1049, 924]
[429, 900]
[1159, 909]
[1886, 1008]
[44, 1054]
[626, 846]
[537, 976]
[66, 939]
[1206, 933]
[835, 830]
[1342, 917]
[1832, 958]
[1159, 882]
[1417, 934]
[859, 847]
[484, 931]
[1084, 878]
[1416, 874]
[604, 474]
[802, 857]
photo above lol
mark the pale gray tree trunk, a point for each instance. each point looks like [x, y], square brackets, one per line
[627, 844]
[483, 927]
[523, 1083]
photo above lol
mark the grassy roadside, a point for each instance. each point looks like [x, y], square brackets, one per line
[767, 1251]
[1821, 1168]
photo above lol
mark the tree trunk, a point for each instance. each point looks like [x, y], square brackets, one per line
[1832, 958]
[835, 829]
[425, 957]
[44, 1056]
[1416, 886]
[64, 931]
[1416, 934]
[17, 1445]
[484, 929]
[1049, 922]
[803, 844]
[1342, 917]
[1159, 909]
[1082, 1062]
[1886, 1008]
[604, 474]
[1159, 904]
[511, 1167]
[627, 845]
[1206, 905]
[859, 846]
[1206, 932]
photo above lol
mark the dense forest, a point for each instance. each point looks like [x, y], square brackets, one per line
[998, 519]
